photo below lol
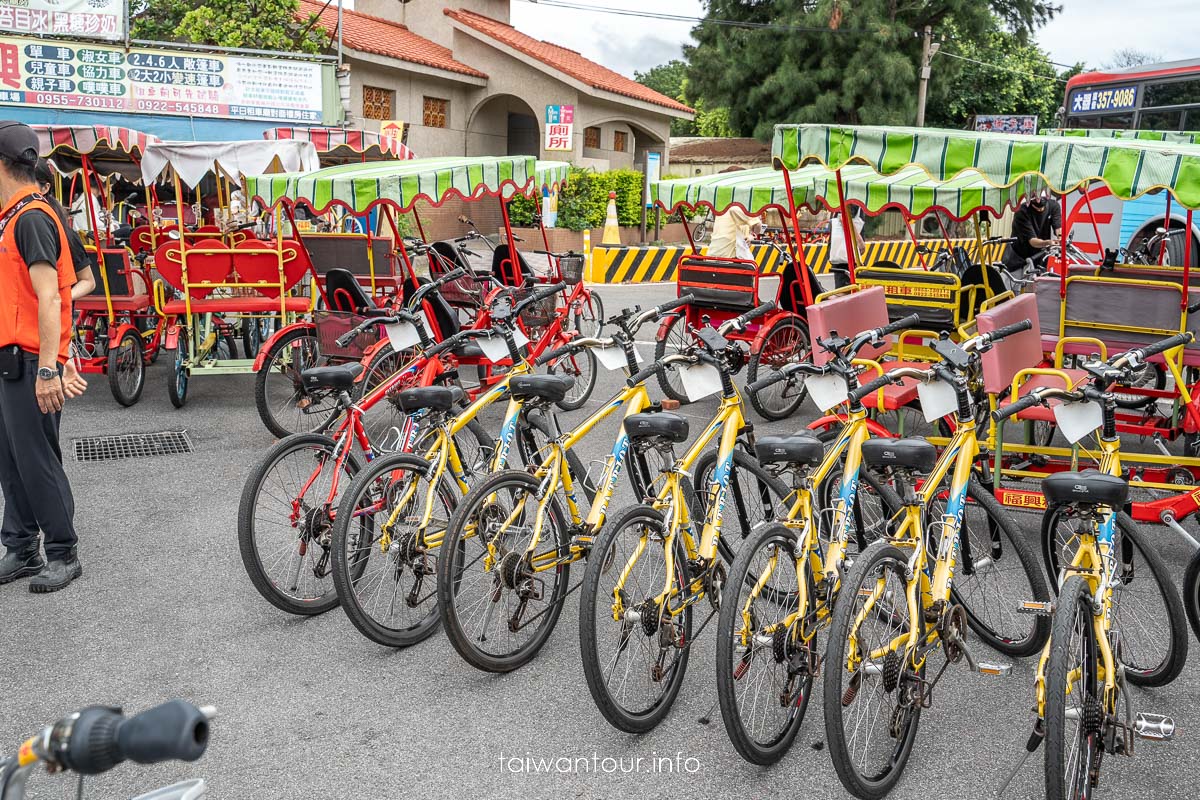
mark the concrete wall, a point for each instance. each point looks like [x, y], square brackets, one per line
[425, 17]
[691, 169]
[411, 89]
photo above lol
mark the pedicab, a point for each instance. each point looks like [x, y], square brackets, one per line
[117, 329]
[392, 188]
[212, 278]
[1081, 310]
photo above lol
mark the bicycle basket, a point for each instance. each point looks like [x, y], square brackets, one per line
[464, 292]
[332, 324]
[572, 268]
[539, 314]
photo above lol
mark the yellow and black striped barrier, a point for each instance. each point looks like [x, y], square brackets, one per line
[654, 264]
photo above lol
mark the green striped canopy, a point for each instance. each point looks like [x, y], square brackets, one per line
[1129, 167]
[359, 187]
[910, 190]
[552, 174]
[1177, 137]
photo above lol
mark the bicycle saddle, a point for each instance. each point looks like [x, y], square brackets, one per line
[548, 388]
[1089, 487]
[657, 424]
[803, 449]
[340, 376]
[434, 398]
[908, 453]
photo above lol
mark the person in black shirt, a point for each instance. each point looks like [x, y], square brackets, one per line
[85, 280]
[1036, 225]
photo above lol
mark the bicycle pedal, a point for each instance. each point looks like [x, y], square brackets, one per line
[1156, 727]
[1036, 607]
[986, 668]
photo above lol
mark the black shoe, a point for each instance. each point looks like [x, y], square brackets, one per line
[16, 565]
[57, 575]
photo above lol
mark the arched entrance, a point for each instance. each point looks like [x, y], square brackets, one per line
[503, 125]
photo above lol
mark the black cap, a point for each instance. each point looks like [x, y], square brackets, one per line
[18, 143]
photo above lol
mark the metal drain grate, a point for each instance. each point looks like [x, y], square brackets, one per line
[132, 445]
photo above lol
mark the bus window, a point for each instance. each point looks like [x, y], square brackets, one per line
[1172, 93]
[1153, 120]
[1119, 121]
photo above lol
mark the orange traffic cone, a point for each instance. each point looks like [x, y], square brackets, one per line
[612, 231]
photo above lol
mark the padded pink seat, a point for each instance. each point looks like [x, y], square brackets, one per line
[137, 302]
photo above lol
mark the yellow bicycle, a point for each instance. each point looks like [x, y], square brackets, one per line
[954, 561]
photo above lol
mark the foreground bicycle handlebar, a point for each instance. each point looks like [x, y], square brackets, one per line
[95, 739]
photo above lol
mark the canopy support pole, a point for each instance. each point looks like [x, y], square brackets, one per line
[793, 242]
[1162, 247]
[1087, 198]
[687, 230]
[513, 257]
[916, 243]
[420, 227]
[847, 223]
[91, 209]
[551, 260]
[287, 208]
[942, 227]
[1187, 258]
[391, 220]
[1062, 252]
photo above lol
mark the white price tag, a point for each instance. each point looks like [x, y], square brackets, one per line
[1077, 420]
[402, 336]
[520, 338]
[827, 391]
[613, 358]
[937, 399]
[699, 381]
[494, 348]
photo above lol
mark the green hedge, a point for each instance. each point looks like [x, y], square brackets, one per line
[583, 203]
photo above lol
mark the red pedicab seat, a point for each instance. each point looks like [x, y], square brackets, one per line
[124, 290]
[849, 314]
[210, 265]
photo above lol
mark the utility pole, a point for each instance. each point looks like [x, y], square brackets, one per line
[929, 49]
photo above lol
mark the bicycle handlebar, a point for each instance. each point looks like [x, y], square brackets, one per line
[895, 376]
[571, 347]
[99, 738]
[1133, 357]
[737, 323]
[539, 294]
[1006, 331]
[398, 317]
[652, 370]
[1030, 400]
[424, 291]
[788, 371]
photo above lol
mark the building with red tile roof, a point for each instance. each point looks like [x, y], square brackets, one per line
[465, 81]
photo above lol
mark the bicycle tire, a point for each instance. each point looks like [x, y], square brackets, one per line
[870, 520]
[301, 420]
[876, 785]
[1191, 592]
[677, 337]
[794, 334]
[583, 365]
[248, 534]
[1172, 662]
[177, 381]
[126, 369]
[1074, 607]
[453, 564]
[735, 531]
[744, 575]
[532, 452]
[590, 314]
[594, 601]
[348, 577]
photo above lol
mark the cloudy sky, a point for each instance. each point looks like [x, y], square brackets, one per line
[1086, 30]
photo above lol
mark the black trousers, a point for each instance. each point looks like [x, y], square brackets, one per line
[841, 274]
[37, 495]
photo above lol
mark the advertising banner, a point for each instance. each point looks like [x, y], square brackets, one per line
[88, 19]
[75, 75]
[1007, 123]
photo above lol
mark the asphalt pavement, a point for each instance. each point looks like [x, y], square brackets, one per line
[307, 708]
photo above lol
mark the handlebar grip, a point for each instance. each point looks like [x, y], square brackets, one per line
[645, 374]
[447, 344]
[671, 305]
[754, 313]
[900, 324]
[1169, 343]
[1009, 330]
[1026, 402]
[546, 358]
[863, 391]
[452, 275]
[770, 379]
[101, 738]
[540, 294]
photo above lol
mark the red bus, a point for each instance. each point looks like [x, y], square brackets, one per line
[1151, 97]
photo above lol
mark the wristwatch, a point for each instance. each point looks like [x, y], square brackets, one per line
[47, 374]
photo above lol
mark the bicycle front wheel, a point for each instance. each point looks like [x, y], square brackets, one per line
[1074, 710]
[872, 701]
[385, 553]
[1146, 605]
[753, 497]
[635, 652]
[765, 657]
[499, 603]
[1191, 593]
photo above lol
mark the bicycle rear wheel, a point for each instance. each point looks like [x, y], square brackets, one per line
[752, 497]
[872, 709]
[634, 665]
[1147, 609]
[497, 604]
[764, 666]
[1191, 593]
[386, 574]
[284, 405]
[1074, 710]
[284, 525]
[581, 367]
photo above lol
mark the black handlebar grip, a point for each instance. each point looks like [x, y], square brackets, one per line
[1009, 330]
[1169, 343]
[863, 391]
[900, 324]
[770, 379]
[447, 344]
[452, 275]
[546, 358]
[1026, 402]
[671, 305]
[645, 374]
[754, 313]
[101, 738]
[540, 294]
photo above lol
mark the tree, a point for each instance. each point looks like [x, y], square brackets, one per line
[669, 79]
[1128, 57]
[831, 60]
[255, 24]
[994, 74]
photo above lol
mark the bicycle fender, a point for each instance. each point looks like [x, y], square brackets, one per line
[265, 348]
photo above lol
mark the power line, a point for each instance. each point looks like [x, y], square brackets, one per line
[732, 23]
[1002, 68]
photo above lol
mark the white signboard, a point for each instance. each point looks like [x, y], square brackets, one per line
[86, 19]
[560, 127]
